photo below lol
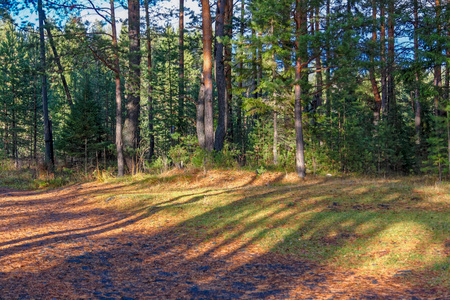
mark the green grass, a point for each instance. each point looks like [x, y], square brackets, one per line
[370, 225]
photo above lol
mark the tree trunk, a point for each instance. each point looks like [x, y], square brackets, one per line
[150, 86]
[275, 113]
[376, 92]
[300, 31]
[437, 66]
[417, 111]
[238, 137]
[14, 129]
[275, 138]
[207, 74]
[328, 78]
[391, 56]
[180, 124]
[228, 52]
[319, 80]
[169, 75]
[384, 95]
[131, 125]
[200, 126]
[119, 142]
[220, 76]
[58, 63]
[85, 156]
[35, 122]
[49, 159]
[447, 88]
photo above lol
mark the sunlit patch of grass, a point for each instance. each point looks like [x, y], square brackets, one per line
[368, 225]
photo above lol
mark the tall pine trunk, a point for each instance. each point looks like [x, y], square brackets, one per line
[376, 92]
[220, 76]
[438, 79]
[417, 111]
[239, 136]
[207, 75]
[328, 76]
[150, 86]
[319, 79]
[58, 63]
[300, 59]
[119, 142]
[228, 51]
[438, 67]
[384, 95]
[180, 124]
[391, 57]
[200, 126]
[49, 159]
[131, 125]
[447, 83]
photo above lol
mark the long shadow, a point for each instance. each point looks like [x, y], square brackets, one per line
[172, 264]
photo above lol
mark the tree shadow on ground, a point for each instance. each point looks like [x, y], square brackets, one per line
[275, 243]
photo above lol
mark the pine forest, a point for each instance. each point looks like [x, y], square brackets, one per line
[305, 86]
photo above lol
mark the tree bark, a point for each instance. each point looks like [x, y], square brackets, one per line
[228, 52]
[328, 77]
[49, 159]
[384, 95]
[14, 129]
[220, 76]
[35, 120]
[238, 137]
[447, 86]
[200, 126]
[438, 67]
[376, 92]
[58, 63]
[180, 124]
[275, 138]
[319, 80]
[131, 125]
[300, 31]
[150, 86]
[119, 142]
[391, 56]
[207, 74]
[417, 111]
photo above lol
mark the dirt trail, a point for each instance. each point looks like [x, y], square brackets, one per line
[61, 245]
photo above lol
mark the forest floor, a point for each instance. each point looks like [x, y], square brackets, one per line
[227, 235]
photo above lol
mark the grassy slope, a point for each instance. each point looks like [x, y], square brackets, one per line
[396, 227]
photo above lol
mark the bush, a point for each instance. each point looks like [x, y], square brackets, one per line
[161, 164]
[179, 155]
[227, 158]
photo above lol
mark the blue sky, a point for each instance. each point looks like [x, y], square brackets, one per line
[29, 16]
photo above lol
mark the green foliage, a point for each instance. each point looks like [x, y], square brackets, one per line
[340, 133]
[438, 158]
[227, 158]
[83, 130]
[201, 158]
[179, 155]
[161, 164]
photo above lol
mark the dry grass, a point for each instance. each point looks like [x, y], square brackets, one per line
[389, 227]
[394, 231]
